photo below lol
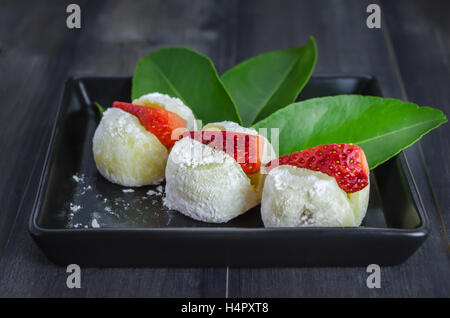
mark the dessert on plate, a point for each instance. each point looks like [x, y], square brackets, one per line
[215, 175]
[327, 185]
[219, 173]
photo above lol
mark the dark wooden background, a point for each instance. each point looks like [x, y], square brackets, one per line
[409, 55]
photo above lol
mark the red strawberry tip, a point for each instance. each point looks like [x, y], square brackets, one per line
[345, 162]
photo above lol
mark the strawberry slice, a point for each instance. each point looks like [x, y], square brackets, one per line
[158, 121]
[244, 148]
[345, 162]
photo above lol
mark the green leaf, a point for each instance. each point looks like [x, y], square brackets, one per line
[100, 108]
[265, 83]
[188, 75]
[381, 126]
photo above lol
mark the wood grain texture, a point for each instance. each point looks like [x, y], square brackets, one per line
[115, 34]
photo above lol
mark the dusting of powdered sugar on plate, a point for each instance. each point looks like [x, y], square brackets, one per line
[92, 206]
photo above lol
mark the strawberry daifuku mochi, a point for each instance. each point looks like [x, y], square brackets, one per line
[327, 185]
[132, 142]
[214, 176]
[267, 152]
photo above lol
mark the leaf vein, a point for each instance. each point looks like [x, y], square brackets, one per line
[422, 123]
[285, 75]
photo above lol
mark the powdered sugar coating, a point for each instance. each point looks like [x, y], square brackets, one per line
[206, 184]
[297, 197]
[172, 104]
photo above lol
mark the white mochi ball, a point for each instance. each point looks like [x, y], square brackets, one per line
[206, 184]
[298, 197]
[125, 152]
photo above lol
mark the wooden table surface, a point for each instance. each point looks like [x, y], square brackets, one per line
[409, 55]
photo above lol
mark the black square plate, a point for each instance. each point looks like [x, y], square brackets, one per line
[81, 218]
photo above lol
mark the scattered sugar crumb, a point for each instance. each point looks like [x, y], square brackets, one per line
[151, 192]
[85, 189]
[78, 178]
[74, 207]
[116, 207]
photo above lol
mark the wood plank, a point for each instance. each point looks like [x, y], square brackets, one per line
[345, 45]
[113, 36]
[421, 39]
[30, 84]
